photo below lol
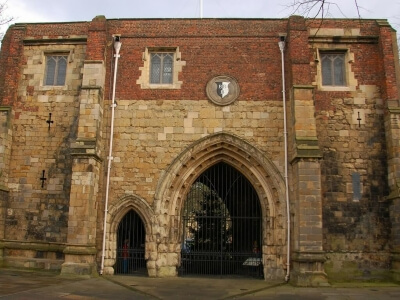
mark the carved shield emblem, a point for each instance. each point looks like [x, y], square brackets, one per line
[222, 90]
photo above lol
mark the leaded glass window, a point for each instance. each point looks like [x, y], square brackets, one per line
[161, 67]
[333, 68]
[56, 69]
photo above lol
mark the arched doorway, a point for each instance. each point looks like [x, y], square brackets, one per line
[222, 225]
[175, 183]
[130, 245]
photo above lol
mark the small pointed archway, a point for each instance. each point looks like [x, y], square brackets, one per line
[130, 245]
[126, 213]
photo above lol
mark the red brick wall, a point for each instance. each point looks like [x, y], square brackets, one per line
[248, 52]
[245, 49]
[10, 61]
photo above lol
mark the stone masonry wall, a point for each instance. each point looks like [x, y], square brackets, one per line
[354, 170]
[5, 151]
[149, 135]
[153, 126]
[351, 136]
[36, 213]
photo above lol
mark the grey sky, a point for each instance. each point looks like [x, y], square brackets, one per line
[85, 10]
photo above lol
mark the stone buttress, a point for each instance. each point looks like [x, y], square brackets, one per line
[391, 95]
[306, 202]
[80, 252]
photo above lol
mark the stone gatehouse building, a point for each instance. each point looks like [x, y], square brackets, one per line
[202, 146]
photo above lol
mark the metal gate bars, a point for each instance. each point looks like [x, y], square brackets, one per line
[130, 245]
[222, 225]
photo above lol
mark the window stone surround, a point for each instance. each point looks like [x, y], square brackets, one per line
[144, 79]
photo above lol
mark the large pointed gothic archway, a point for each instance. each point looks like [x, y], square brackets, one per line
[175, 183]
[221, 225]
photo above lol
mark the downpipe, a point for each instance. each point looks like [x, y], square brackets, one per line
[281, 44]
[117, 47]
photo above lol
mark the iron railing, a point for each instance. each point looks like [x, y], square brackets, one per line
[221, 225]
[130, 245]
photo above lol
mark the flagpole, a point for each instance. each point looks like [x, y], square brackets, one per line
[201, 9]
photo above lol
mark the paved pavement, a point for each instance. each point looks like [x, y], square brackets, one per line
[21, 285]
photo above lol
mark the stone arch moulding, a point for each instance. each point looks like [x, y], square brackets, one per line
[116, 212]
[265, 177]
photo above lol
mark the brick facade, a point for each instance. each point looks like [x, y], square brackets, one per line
[343, 156]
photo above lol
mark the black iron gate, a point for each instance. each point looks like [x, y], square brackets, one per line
[130, 245]
[222, 225]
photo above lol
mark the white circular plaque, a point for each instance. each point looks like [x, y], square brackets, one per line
[222, 90]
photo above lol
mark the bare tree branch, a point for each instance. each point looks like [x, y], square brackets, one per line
[321, 9]
[358, 9]
[4, 19]
[317, 8]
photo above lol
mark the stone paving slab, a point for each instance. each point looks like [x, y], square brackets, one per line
[216, 288]
[292, 293]
[193, 288]
[15, 281]
[21, 285]
[95, 288]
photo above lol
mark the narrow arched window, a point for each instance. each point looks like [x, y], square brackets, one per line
[333, 68]
[161, 68]
[56, 70]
